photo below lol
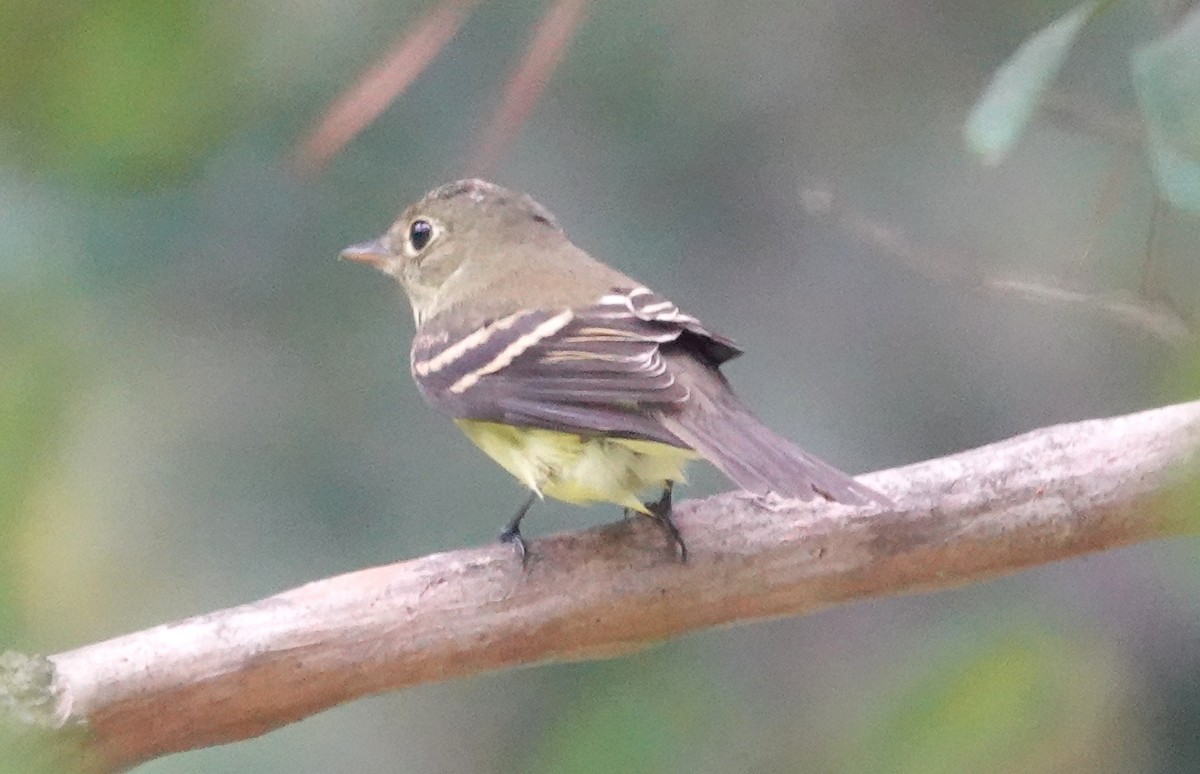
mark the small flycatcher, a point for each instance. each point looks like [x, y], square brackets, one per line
[582, 383]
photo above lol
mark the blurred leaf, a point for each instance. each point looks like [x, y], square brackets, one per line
[1166, 75]
[1026, 702]
[1178, 176]
[128, 91]
[1004, 110]
[637, 716]
[26, 751]
[37, 373]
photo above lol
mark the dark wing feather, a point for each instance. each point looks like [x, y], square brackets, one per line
[650, 306]
[630, 365]
[597, 369]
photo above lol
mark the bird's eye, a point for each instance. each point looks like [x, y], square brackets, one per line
[419, 234]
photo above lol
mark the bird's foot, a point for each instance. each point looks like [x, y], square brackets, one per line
[512, 531]
[660, 511]
[512, 534]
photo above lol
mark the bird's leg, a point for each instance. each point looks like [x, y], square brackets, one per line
[660, 511]
[512, 532]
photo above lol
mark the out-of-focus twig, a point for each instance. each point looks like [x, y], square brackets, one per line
[544, 53]
[1115, 183]
[1150, 310]
[1156, 318]
[359, 105]
[1153, 316]
[1149, 283]
[1050, 494]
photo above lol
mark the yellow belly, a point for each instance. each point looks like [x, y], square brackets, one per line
[579, 469]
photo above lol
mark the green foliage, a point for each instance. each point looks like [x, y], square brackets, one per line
[1003, 112]
[37, 378]
[129, 92]
[641, 717]
[1166, 74]
[1182, 506]
[1027, 701]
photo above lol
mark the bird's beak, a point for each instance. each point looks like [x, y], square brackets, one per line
[372, 253]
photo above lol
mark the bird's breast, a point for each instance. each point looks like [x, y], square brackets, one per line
[576, 468]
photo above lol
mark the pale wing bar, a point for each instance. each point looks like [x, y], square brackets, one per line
[645, 304]
[597, 369]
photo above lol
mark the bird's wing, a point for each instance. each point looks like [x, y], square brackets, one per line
[593, 369]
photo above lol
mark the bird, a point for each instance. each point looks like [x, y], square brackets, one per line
[584, 384]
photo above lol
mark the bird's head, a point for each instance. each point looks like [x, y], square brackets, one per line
[466, 223]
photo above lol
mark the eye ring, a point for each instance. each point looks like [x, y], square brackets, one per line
[420, 232]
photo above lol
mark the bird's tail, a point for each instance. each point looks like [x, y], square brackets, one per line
[718, 426]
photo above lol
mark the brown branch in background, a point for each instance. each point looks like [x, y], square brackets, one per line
[1153, 316]
[1050, 494]
[356, 107]
[544, 53]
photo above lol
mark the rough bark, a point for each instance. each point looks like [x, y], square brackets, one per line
[1047, 495]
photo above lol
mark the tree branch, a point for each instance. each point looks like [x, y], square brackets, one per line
[1151, 314]
[233, 674]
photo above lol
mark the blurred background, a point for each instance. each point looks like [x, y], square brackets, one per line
[199, 406]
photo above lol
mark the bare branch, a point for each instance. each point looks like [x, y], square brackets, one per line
[1152, 315]
[359, 105]
[1050, 494]
[550, 38]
